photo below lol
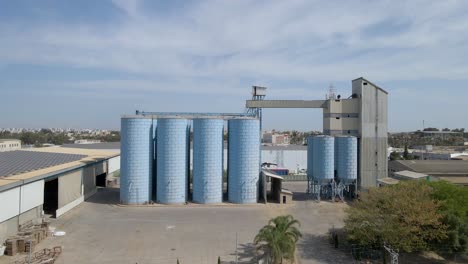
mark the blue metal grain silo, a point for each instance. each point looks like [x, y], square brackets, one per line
[346, 158]
[136, 163]
[310, 160]
[208, 160]
[243, 160]
[323, 157]
[172, 161]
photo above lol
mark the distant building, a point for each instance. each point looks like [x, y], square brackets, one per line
[454, 171]
[441, 134]
[9, 144]
[276, 139]
[87, 141]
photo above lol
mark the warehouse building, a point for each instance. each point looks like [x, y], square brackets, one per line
[454, 171]
[48, 182]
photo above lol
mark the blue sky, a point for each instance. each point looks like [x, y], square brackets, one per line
[82, 64]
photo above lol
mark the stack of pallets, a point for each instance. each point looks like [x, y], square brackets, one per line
[11, 246]
[28, 237]
[45, 256]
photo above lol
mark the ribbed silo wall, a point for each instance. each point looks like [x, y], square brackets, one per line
[346, 158]
[136, 163]
[153, 142]
[310, 160]
[207, 160]
[243, 160]
[323, 157]
[172, 161]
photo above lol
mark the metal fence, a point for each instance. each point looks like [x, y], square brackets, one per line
[364, 255]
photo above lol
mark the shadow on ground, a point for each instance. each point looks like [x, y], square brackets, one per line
[317, 249]
[105, 196]
[301, 196]
[246, 254]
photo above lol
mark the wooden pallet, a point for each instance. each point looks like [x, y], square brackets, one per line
[44, 256]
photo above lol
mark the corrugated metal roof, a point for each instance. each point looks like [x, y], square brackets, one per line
[433, 167]
[410, 174]
[16, 162]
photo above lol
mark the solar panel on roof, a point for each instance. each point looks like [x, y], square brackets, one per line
[16, 162]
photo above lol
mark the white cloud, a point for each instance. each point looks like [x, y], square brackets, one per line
[279, 40]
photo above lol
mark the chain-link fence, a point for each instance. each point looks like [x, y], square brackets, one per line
[440, 255]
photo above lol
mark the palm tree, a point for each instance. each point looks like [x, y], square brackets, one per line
[278, 239]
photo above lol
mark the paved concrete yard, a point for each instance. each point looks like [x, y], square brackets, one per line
[100, 231]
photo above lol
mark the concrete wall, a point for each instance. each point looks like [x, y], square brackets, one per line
[341, 117]
[32, 195]
[113, 164]
[70, 188]
[288, 159]
[10, 205]
[373, 132]
[89, 177]
[10, 226]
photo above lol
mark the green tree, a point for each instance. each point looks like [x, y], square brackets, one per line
[219, 260]
[395, 156]
[404, 215]
[278, 239]
[406, 154]
[455, 211]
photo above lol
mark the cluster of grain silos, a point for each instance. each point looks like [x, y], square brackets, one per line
[332, 159]
[155, 164]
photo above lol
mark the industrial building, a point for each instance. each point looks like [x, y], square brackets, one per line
[454, 171]
[275, 138]
[48, 181]
[363, 114]
[9, 144]
[156, 155]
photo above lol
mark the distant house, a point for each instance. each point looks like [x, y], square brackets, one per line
[9, 144]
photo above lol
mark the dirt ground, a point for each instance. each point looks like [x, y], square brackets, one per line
[101, 231]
